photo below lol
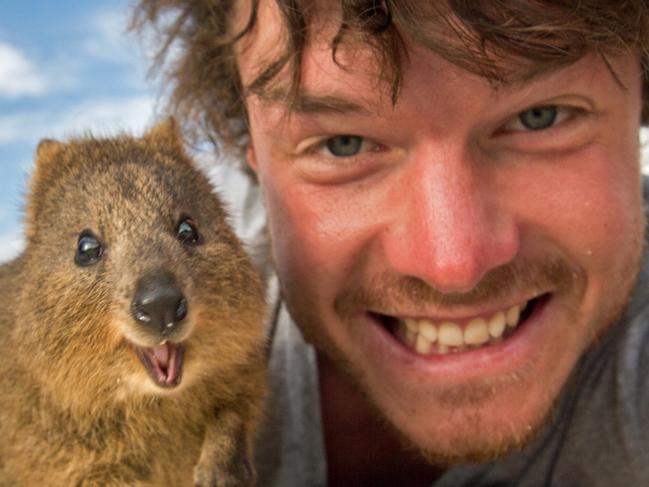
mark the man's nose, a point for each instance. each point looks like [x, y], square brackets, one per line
[451, 225]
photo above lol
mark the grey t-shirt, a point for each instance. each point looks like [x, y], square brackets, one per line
[598, 435]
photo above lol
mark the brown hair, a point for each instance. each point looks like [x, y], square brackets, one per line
[501, 40]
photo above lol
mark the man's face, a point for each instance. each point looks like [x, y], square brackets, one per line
[458, 252]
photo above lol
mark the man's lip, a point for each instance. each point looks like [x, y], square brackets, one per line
[489, 360]
[426, 337]
[459, 315]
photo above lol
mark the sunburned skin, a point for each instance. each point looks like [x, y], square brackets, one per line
[404, 236]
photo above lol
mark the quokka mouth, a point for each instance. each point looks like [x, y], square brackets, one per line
[426, 337]
[164, 363]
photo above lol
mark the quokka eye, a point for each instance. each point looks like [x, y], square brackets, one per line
[89, 249]
[186, 232]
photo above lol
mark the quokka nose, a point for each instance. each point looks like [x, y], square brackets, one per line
[158, 304]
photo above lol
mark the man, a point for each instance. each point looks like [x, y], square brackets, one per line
[455, 210]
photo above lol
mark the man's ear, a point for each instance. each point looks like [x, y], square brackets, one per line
[251, 158]
[166, 134]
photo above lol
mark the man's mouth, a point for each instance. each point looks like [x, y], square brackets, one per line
[438, 337]
[164, 363]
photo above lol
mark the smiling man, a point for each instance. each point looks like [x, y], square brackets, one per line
[456, 218]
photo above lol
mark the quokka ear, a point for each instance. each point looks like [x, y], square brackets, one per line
[46, 150]
[47, 162]
[166, 134]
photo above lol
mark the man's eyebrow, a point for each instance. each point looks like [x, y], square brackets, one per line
[304, 102]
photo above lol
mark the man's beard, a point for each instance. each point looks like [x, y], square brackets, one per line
[388, 294]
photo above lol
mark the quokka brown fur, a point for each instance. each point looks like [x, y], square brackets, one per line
[131, 335]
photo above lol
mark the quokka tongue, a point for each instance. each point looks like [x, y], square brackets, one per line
[162, 354]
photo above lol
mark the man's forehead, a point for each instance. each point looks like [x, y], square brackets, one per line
[578, 80]
[264, 43]
[352, 83]
[335, 96]
[304, 101]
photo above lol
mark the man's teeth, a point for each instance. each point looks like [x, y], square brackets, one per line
[426, 337]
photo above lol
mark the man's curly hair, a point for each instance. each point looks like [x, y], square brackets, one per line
[501, 40]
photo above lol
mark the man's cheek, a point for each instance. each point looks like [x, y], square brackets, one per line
[302, 243]
[308, 223]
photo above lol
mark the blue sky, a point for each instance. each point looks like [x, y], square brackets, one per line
[65, 67]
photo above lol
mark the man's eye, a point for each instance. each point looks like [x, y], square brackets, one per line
[538, 118]
[344, 145]
[541, 117]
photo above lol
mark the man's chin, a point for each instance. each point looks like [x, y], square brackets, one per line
[472, 433]
[473, 426]
[473, 445]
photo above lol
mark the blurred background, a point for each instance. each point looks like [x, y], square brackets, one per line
[66, 67]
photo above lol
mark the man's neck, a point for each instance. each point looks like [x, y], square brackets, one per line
[361, 451]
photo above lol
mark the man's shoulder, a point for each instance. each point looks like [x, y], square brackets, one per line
[290, 447]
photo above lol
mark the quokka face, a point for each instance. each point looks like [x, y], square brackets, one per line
[144, 288]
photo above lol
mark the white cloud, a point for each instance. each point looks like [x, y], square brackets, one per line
[133, 113]
[101, 116]
[10, 246]
[109, 40]
[18, 76]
